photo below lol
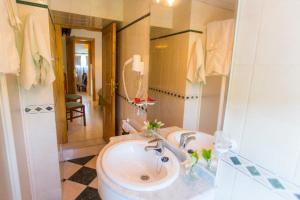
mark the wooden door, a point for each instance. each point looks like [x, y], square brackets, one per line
[109, 79]
[59, 85]
[70, 48]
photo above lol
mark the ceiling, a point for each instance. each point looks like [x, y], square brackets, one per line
[70, 20]
[227, 4]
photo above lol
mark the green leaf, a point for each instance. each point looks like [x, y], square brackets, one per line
[154, 125]
[195, 155]
[206, 154]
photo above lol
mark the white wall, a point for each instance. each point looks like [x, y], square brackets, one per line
[18, 134]
[263, 110]
[5, 189]
[39, 126]
[98, 52]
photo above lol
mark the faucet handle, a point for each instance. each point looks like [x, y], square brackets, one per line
[155, 140]
[183, 138]
[187, 134]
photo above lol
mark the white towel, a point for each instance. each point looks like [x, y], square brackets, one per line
[13, 13]
[196, 68]
[219, 46]
[9, 22]
[36, 66]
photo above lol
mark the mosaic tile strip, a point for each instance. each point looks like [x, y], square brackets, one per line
[174, 94]
[273, 182]
[35, 109]
[138, 106]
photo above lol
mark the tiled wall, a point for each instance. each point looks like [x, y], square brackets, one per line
[20, 140]
[263, 111]
[133, 39]
[40, 138]
[168, 58]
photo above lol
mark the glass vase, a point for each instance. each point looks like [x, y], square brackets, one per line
[148, 133]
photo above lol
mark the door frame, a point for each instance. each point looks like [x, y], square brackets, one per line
[61, 84]
[91, 66]
[109, 57]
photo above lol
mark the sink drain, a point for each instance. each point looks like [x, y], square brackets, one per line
[145, 177]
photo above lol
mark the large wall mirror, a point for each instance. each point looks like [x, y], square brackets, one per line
[190, 57]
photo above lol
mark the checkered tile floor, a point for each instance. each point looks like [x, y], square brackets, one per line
[80, 179]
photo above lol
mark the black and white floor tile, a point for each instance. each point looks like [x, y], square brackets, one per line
[80, 179]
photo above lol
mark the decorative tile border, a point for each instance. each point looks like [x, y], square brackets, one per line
[35, 109]
[174, 94]
[133, 22]
[131, 103]
[29, 3]
[177, 33]
[271, 181]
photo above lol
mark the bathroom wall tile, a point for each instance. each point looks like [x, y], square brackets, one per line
[191, 114]
[172, 65]
[213, 86]
[237, 100]
[210, 101]
[247, 188]
[40, 137]
[272, 125]
[225, 180]
[133, 40]
[19, 137]
[297, 173]
[279, 41]
[209, 114]
[248, 23]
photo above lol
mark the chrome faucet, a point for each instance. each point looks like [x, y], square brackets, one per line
[186, 138]
[159, 147]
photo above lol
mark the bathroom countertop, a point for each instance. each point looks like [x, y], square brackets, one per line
[183, 188]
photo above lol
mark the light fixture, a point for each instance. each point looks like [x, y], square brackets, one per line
[170, 2]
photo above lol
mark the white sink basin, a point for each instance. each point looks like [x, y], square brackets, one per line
[203, 140]
[130, 166]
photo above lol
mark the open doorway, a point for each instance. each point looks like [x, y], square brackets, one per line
[84, 89]
[82, 68]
